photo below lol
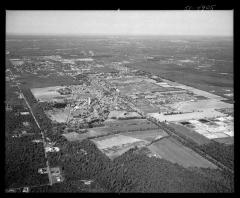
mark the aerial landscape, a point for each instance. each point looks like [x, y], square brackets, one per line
[119, 113]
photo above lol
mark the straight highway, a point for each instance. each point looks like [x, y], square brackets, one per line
[42, 133]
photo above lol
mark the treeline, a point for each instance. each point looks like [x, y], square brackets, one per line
[43, 120]
[221, 152]
[132, 172]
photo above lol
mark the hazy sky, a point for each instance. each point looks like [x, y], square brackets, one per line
[121, 22]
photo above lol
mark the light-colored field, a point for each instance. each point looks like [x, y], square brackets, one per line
[17, 62]
[173, 151]
[47, 93]
[221, 129]
[59, 115]
[115, 145]
[215, 135]
[140, 87]
[130, 125]
[200, 105]
[97, 131]
[114, 140]
[146, 108]
[148, 135]
[200, 92]
[126, 80]
[84, 59]
[207, 113]
[91, 133]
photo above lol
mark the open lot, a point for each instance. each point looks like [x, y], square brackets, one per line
[141, 86]
[130, 125]
[91, 133]
[200, 105]
[148, 135]
[173, 151]
[58, 115]
[115, 145]
[208, 113]
[114, 140]
[221, 127]
[48, 94]
[145, 107]
[125, 80]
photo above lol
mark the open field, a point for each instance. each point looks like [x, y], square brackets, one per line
[125, 80]
[50, 94]
[115, 145]
[130, 125]
[47, 94]
[148, 135]
[173, 151]
[58, 115]
[200, 105]
[136, 128]
[114, 140]
[35, 81]
[208, 113]
[200, 92]
[129, 85]
[91, 133]
[145, 107]
[220, 127]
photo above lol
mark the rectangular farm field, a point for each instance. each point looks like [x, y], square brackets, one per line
[171, 150]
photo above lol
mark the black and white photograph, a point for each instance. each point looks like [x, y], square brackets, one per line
[119, 101]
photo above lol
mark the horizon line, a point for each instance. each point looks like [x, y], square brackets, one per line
[105, 34]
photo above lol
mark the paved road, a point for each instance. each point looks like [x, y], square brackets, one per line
[42, 133]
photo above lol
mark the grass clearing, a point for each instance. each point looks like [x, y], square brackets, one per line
[175, 152]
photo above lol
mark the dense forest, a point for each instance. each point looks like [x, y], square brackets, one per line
[22, 162]
[133, 171]
[43, 120]
[221, 152]
[24, 157]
